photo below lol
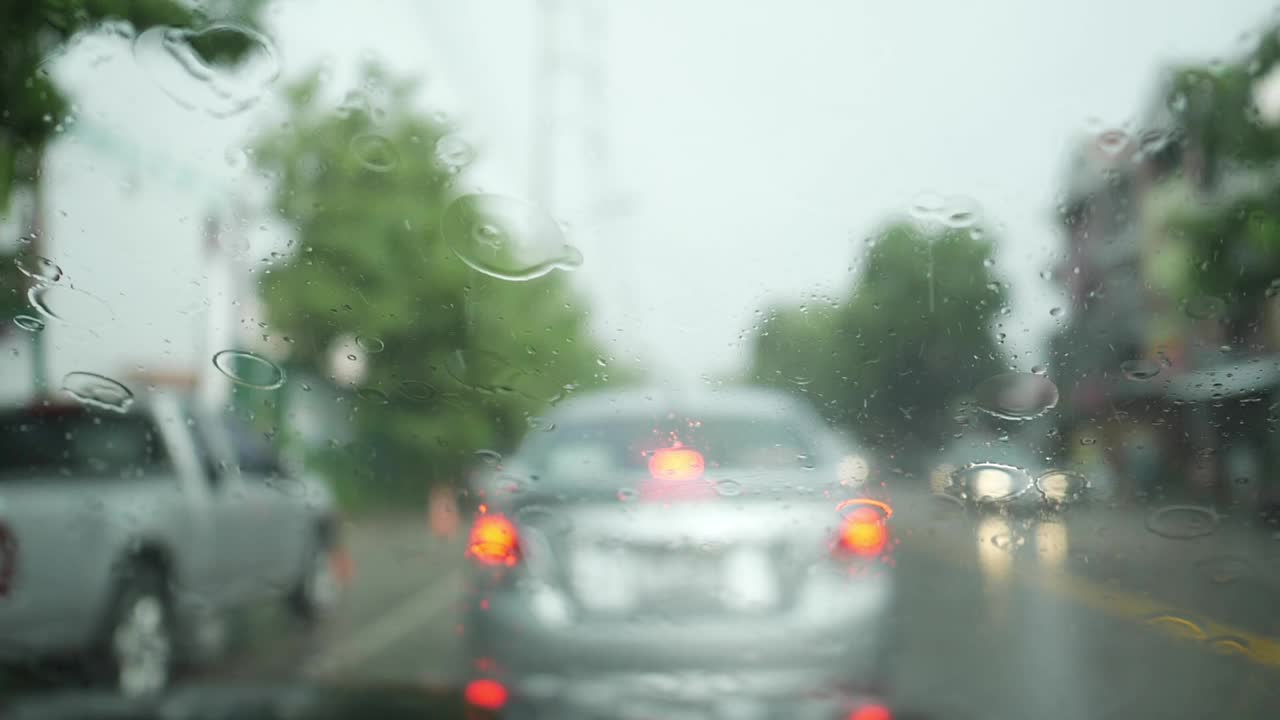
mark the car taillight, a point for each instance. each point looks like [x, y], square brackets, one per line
[873, 711]
[494, 541]
[8, 559]
[485, 694]
[865, 530]
[676, 463]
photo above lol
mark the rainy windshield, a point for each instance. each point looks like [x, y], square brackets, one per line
[563, 358]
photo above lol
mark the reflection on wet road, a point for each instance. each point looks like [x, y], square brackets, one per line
[1084, 614]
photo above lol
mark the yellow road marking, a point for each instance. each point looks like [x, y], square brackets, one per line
[1166, 619]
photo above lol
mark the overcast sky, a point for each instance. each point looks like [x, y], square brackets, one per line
[711, 157]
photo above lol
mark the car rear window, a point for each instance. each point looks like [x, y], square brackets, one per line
[626, 445]
[77, 443]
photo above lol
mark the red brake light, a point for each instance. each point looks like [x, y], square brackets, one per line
[677, 463]
[485, 694]
[871, 712]
[494, 541]
[864, 531]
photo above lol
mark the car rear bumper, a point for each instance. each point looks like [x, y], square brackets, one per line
[846, 636]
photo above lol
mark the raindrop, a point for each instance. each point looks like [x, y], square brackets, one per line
[370, 344]
[1181, 522]
[1112, 141]
[989, 482]
[1088, 440]
[453, 152]
[97, 391]
[373, 395]
[40, 269]
[728, 488]
[249, 369]
[1008, 541]
[1040, 370]
[375, 152]
[175, 56]
[539, 424]
[627, 494]
[1205, 307]
[1140, 369]
[1175, 625]
[1273, 289]
[1229, 645]
[1062, 486]
[927, 205]
[489, 457]
[30, 323]
[416, 390]
[70, 306]
[960, 212]
[506, 238]
[1016, 396]
[1055, 312]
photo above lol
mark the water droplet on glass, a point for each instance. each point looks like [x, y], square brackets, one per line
[539, 424]
[40, 269]
[1041, 370]
[1112, 141]
[416, 390]
[1140, 369]
[1088, 440]
[506, 238]
[1205, 307]
[70, 306]
[1273, 289]
[1008, 541]
[1055, 312]
[373, 395]
[627, 494]
[29, 323]
[370, 344]
[1229, 645]
[454, 152]
[989, 482]
[728, 488]
[1016, 396]
[1181, 522]
[97, 391]
[489, 457]
[194, 68]
[927, 205]
[375, 152]
[249, 369]
[1062, 486]
[960, 212]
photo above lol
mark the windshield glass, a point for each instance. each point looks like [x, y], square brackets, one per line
[570, 358]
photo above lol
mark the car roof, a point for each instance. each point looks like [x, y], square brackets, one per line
[738, 401]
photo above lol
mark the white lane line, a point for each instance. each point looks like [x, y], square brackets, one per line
[415, 612]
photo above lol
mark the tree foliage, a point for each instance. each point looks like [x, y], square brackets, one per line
[913, 336]
[467, 361]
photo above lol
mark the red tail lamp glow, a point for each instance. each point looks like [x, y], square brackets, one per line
[676, 463]
[485, 694]
[494, 541]
[871, 712]
[864, 532]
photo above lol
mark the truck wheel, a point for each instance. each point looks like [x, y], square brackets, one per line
[138, 648]
[318, 590]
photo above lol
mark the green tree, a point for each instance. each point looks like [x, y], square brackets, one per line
[467, 361]
[914, 336]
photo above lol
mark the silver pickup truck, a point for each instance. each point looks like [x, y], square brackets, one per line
[122, 533]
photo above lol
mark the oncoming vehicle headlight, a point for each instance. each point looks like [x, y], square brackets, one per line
[853, 470]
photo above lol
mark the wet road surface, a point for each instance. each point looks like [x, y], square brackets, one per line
[1093, 612]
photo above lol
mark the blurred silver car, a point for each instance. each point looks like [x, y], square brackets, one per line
[724, 534]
